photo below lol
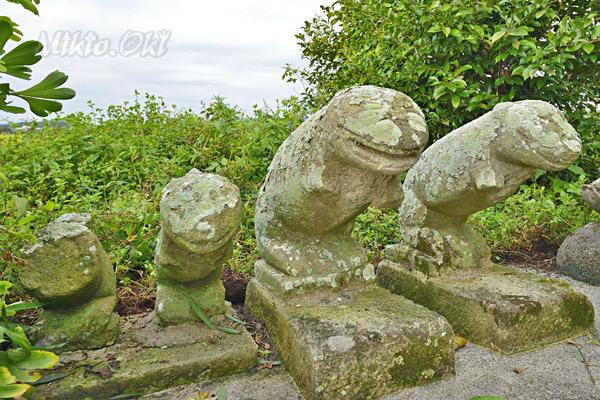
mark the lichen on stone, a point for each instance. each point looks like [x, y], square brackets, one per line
[474, 167]
[344, 158]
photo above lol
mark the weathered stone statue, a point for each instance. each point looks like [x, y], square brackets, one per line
[475, 167]
[201, 214]
[344, 158]
[579, 254]
[334, 328]
[591, 194]
[68, 269]
[445, 265]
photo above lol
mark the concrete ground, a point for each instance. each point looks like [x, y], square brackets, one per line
[556, 372]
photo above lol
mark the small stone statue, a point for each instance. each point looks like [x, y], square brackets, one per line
[591, 194]
[474, 167]
[342, 159]
[201, 214]
[579, 254]
[68, 268]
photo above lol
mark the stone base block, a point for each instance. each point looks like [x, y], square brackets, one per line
[355, 343]
[148, 358]
[173, 300]
[289, 285]
[90, 326]
[501, 308]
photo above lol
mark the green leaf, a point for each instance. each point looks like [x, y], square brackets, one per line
[222, 394]
[588, 47]
[6, 31]
[28, 5]
[22, 305]
[4, 286]
[21, 205]
[487, 398]
[576, 169]
[231, 317]
[455, 101]
[41, 107]
[6, 378]
[446, 30]
[47, 89]
[24, 54]
[520, 31]
[125, 396]
[497, 36]
[540, 13]
[38, 360]
[50, 378]
[264, 362]
[202, 315]
[13, 391]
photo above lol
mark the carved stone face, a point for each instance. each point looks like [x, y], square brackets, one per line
[541, 136]
[379, 130]
[201, 212]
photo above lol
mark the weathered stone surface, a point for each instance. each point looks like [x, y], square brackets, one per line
[341, 160]
[68, 268]
[153, 358]
[579, 254]
[201, 214]
[474, 167]
[496, 307]
[357, 343]
[591, 194]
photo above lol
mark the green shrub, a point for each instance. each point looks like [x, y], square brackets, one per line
[114, 163]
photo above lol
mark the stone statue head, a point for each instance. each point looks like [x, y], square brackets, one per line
[536, 133]
[378, 129]
[201, 212]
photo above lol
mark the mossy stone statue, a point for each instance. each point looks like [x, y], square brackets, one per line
[68, 268]
[201, 214]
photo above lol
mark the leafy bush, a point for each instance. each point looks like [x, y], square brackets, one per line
[459, 58]
[114, 163]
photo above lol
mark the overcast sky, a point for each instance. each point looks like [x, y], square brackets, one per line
[185, 51]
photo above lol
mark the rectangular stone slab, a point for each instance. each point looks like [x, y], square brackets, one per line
[501, 308]
[354, 343]
[153, 358]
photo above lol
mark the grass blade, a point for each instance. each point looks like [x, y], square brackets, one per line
[49, 378]
[202, 315]
[234, 319]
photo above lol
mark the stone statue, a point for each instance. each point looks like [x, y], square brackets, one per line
[591, 194]
[474, 167]
[315, 289]
[445, 265]
[201, 214]
[579, 254]
[68, 269]
[344, 158]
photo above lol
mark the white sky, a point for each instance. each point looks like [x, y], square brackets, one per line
[233, 48]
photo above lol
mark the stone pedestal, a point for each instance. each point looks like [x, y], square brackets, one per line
[496, 307]
[149, 357]
[354, 342]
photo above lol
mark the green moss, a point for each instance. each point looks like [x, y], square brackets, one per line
[500, 308]
[89, 326]
[149, 369]
[334, 347]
